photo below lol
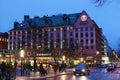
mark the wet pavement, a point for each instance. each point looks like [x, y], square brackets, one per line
[35, 75]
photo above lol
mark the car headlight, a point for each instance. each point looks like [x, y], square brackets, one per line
[83, 70]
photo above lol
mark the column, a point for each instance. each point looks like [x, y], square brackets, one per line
[26, 45]
[54, 37]
[12, 40]
[68, 37]
[20, 39]
[9, 40]
[49, 38]
[16, 40]
[43, 37]
[74, 36]
[61, 37]
[31, 39]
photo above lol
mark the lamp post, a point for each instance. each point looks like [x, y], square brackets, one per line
[97, 58]
[63, 58]
[21, 56]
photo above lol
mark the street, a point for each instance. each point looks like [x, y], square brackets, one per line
[96, 74]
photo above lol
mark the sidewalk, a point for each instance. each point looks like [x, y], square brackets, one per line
[35, 75]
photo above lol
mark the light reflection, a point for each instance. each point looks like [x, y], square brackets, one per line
[79, 78]
[84, 78]
[63, 77]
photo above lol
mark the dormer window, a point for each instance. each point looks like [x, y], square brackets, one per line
[46, 22]
[66, 19]
[21, 25]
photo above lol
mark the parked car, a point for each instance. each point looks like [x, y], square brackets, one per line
[81, 69]
[111, 68]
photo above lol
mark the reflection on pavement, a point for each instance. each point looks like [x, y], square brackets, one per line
[79, 78]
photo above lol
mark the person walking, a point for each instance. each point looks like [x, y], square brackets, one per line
[41, 70]
[59, 67]
[28, 67]
[63, 66]
[48, 68]
[0, 73]
[3, 69]
[55, 67]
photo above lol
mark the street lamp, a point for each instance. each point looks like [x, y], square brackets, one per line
[97, 52]
[63, 58]
[21, 56]
[0, 57]
[97, 58]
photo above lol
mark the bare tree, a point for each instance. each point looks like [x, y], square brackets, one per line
[99, 2]
[118, 48]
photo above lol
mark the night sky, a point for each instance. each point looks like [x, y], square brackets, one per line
[107, 17]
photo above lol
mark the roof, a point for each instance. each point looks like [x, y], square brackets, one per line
[47, 21]
[4, 34]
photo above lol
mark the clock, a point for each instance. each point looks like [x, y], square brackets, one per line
[83, 17]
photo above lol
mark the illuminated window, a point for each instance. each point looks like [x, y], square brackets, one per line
[2, 39]
[67, 28]
[54, 29]
[5, 40]
[71, 27]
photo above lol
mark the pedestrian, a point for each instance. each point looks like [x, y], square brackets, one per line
[59, 67]
[7, 76]
[3, 69]
[48, 68]
[63, 66]
[24, 68]
[28, 67]
[9, 71]
[41, 70]
[0, 73]
[55, 67]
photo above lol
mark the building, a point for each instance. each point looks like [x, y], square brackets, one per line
[3, 44]
[73, 35]
[3, 40]
[105, 50]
